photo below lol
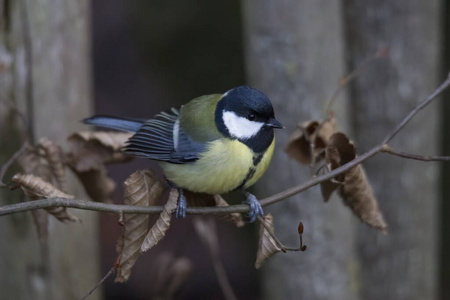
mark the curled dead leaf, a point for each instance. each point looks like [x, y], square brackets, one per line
[36, 188]
[333, 161]
[198, 199]
[357, 193]
[353, 186]
[267, 246]
[91, 150]
[159, 229]
[33, 161]
[142, 188]
[299, 144]
[97, 184]
[54, 155]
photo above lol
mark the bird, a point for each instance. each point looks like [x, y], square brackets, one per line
[213, 144]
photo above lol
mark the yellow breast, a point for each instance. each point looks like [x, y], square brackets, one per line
[222, 168]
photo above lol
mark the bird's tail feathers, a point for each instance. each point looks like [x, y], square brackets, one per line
[117, 123]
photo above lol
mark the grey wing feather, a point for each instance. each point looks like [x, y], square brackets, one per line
[117, 123]
[156, 140]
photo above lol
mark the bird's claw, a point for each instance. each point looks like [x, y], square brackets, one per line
[180, 212]
[255, 208]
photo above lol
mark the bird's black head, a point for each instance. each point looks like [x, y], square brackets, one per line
[246, 114]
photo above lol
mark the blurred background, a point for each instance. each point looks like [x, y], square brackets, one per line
[61, 61]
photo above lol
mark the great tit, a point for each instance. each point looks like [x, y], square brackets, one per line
[214, 144]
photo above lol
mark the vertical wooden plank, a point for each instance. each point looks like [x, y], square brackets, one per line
[402, 264]
[49, 51]
[295, 55]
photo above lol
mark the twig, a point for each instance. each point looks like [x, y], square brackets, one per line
[419, 107]
[389, 150]
[349, 77]
[8, 164]
[111, 271]
[279, 243]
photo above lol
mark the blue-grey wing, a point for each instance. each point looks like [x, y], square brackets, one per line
[161, 138]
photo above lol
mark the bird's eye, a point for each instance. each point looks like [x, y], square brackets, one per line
[251, 117]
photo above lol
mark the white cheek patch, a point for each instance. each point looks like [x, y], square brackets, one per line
[240, 127]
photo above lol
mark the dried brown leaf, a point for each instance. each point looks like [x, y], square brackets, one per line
[357, 193]
[353, 186]
[267, 246]
[199, 200]
[333, 157]
[345, 147]
[54, 155]
[37, 188]
[159, 229]
[340, 151]
[33, 161]
[333, 161]
[142, 188]
[91, 150]
[327, 188]
[97, 184]
[298, 146]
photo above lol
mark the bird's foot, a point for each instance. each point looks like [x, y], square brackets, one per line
[255, 208]
[180, 212]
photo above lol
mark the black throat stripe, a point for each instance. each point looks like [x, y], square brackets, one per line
[251, 171]
[257, 158]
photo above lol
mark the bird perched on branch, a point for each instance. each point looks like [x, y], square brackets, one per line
[214, 144]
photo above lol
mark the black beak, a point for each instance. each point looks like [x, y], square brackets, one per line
[272, 122]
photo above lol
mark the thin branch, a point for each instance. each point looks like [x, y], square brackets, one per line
[318, 179]
[343, 82]
[418, 108]
[426, 158]
[130, 209]
[110, 272]
[283, 248]
[8, 164]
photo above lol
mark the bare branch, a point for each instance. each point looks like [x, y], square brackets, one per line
[279, 243]
[343, 82]
[418, 108]
[8, 164]
[110, 272]
[426, 158]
